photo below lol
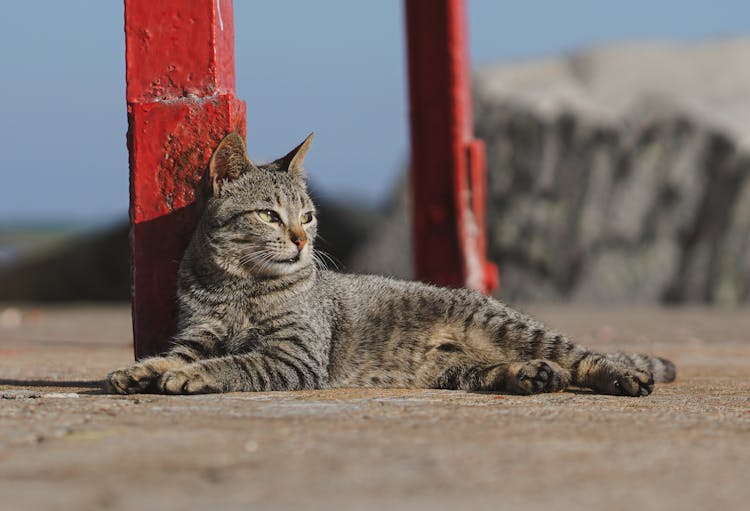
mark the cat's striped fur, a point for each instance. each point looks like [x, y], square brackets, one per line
[256, 314]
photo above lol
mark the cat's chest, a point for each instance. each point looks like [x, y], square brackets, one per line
[239, 317]
[260, 316]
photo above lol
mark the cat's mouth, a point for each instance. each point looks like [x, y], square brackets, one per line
[290, 260]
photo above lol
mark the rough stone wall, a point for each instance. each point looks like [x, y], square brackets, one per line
[618, 175]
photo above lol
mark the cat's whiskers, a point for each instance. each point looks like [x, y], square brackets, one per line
[319, 255]
[260, 259]
[319, 262]
[255, 257]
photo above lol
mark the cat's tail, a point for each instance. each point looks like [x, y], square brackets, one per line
[663, 370]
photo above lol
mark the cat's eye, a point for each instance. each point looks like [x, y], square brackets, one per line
[268, 215]
[306, 218]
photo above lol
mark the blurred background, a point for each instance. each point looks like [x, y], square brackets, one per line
[619, 165]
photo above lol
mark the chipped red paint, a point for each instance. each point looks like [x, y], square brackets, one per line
[448, 166]
[181, 103]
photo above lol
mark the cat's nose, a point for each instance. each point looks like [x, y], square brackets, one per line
[300, 241]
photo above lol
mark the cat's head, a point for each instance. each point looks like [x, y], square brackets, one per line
[260, 220]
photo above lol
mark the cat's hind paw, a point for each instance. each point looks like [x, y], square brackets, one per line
[540, 376]
[631, 382]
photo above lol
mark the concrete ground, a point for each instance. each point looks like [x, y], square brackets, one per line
[65, 445]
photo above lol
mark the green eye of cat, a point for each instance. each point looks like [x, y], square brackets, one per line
[306, 218]
[268, 215]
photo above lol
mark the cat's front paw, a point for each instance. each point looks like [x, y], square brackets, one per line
[135, 379]
[540, 376]
[140, 377]
[188, 380]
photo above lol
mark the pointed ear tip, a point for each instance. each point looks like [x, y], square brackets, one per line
[234, 136]
[231, 138]
[232, 142]
[227, 159]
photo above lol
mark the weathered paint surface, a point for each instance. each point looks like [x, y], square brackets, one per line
[181, 103]
[176, 49]
[448, 166]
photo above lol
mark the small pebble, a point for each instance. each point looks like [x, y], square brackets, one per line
[19, 394]
[31, 394]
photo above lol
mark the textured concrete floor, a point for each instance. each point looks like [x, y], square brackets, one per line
[64, 445]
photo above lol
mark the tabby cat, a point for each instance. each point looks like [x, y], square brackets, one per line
[257, 314]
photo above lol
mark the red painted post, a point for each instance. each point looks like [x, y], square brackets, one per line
[181, 102]
[447, 166]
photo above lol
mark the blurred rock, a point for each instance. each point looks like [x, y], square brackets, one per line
[343, 225]
[386, 250]
[89, 267]
[615, 175]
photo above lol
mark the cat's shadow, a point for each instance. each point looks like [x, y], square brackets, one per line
[94, 386]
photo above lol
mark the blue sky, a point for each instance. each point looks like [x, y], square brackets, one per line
[63, 122]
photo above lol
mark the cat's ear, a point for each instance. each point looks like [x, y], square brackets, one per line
[228, 162]
[292, 162]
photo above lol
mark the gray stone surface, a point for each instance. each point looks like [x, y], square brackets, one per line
[66, 446]
[617, 175]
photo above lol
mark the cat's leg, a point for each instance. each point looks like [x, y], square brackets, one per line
[531, 377]
[143, 376]
[598, 372]
[602, 373]
[520, 338]
[588, 369]
[189, 345]
[662, 369]
[274, 368]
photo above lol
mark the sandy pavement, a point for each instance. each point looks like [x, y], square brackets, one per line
[65, 445]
